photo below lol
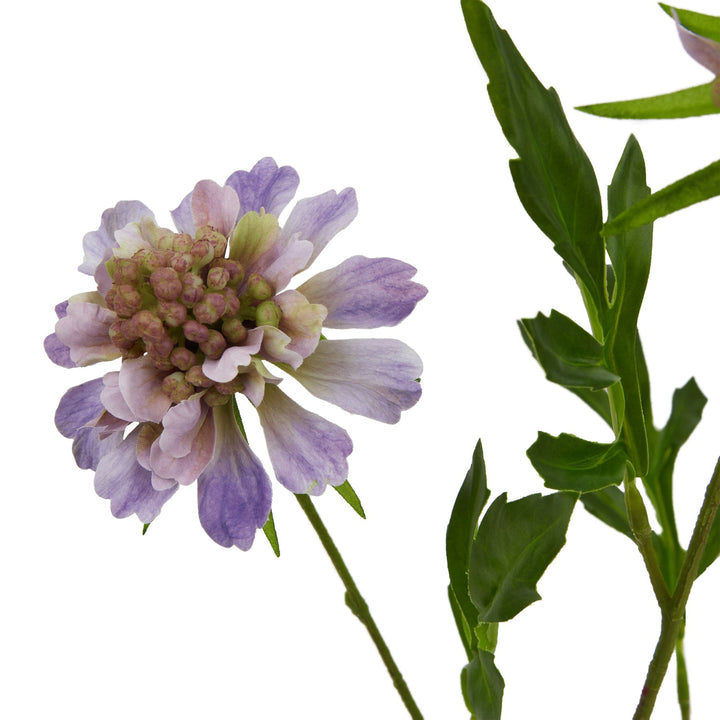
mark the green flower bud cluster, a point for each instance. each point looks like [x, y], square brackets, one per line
[183, 301]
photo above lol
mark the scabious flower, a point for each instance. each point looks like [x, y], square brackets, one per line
[196, 315]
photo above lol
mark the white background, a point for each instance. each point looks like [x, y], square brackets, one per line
[139, 100]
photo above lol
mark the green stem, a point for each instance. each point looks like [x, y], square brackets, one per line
[358, 606]
[683, 687]
[673, 615]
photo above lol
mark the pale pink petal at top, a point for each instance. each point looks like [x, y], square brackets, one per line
[318, 219]
[374, 378]
[140, 383]
[85, 329]
[700, 49]
[307, 451]
[214, 205]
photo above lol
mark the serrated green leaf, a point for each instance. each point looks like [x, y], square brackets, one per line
[630, 253]
[553, 177]
[608, 505]
[513, 547]
[568, 462]
[689, 102]
[483, 687]
[271, 534]
[470, 501]
[349, 495]
[706, 25]
[569, 355]
[694, 188]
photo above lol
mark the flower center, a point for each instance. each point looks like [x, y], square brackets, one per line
[183, 301]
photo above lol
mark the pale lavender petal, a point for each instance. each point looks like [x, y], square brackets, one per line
[307, 452]
[215, 206]
[700, 49]
[140, 383]
[265, 187]
[286, 258]
[89, 446]
[225, 368]
[113, 400]
[186, 444]
[365, 292]
[79, 406]
[276, 347]
[86, 331]
[97, 243]
[58, 352]
[301, 321]
[320, 218]
[254, 378]
[182, 216]
[122, 480]
[374, 378]
[234, 493]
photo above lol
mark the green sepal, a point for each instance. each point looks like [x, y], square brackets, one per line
[706, 25]
[630, 253]
[483, 687]
[349, 495]
[271, 534]
[689, 102]
[567, 462]
[461, 531]
[553, 177]
[694, 188]
[568, 354]
[608, 505]
[513, 547]
[145, 528]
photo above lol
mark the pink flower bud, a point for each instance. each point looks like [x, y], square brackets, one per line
[210, 308]
[195, 332]
[234, 330]
[172, 313]
[258, 288]
[217, 278]
[214, 346]
[177, 388]
[183, 243]
[183, 358]
[166, 284]
[197, 377]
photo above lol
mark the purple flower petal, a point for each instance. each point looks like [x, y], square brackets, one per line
[98, 242]
[79, 406]
[265, 187]
[365, 292]
[89, 447]
[374, 378]
[301, 321]
[186, 444]
[318, 219]
[140, 383]
[85, 330]
[307, 452]
[58, 352]
[182, 216]
[214, 205]
[113, 400]
[234, 493]
[122, 480]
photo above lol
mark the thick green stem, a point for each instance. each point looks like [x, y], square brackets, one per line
[683, 687]
[673, 616]
[359, 607]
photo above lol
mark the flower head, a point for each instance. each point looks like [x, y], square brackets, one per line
[196, 315]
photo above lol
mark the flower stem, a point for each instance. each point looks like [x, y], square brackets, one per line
[358, 606]
[673, 614]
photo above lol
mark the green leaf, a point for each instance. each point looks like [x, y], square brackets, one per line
[483, 687]
[465, 631]
[271, 534]
[513, 547]
[689, 102]
[568, 462]
[706, 25]
[347, 493]
[553, 177]
[569, 355]
[461, 531]
[630, 253]
[608, 505]
[712, 548]
[694, 188]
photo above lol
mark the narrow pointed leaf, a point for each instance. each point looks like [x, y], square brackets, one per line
[568, 462]
[712, 548]
[513, 547]
[706, 25]
[271, 534]
[630, 252]
[689, 102]
[694, 188]
[569, 355]
[461, 531]
[464, 630]
[349, 495]
[553, 176]
[483, 687]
